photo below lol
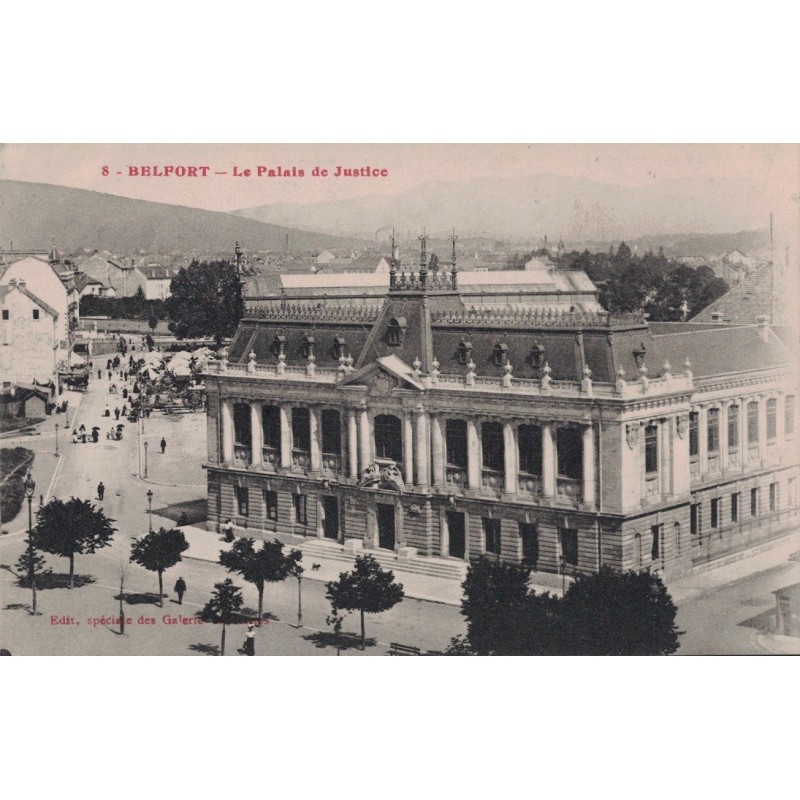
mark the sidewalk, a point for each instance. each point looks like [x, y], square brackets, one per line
[693, 586]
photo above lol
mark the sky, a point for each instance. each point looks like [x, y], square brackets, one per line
[771, 166]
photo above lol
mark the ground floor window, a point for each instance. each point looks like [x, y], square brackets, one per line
[491, 533]
[271, 503]
[694, 519]
[242, 500]
[655, 547]
[569, 545]
[773, 497]
[300, 509]
[715, 513]
[735, 507]
[754, 502]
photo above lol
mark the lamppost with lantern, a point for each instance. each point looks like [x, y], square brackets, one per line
[56, 440]
[30, 488]
[149, 510]
[145, 459]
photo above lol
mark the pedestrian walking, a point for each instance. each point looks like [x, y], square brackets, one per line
[163, 446]
[101, 490]
[99, 374]
[116, 413]
[250, 640]
[180, 588]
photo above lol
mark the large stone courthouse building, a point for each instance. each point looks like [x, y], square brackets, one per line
[435, 414]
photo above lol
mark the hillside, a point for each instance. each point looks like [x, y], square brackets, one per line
[33, 215]
[574, 209]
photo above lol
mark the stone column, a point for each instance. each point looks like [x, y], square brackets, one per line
[666, 432]
[723, 435]
[256, 435]
[364, 454]
[762, 428]
[408, 449]
[286, 435]
[226, 420]
[588, 465]
[680, 479]
[510, 458]
[437, 444]
[548, 461]
[314, 435]
[473, 456]
[352, 443]
[423, 449]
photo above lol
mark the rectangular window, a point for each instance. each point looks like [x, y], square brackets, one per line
[752, 423]
[241, 424]
[773, 497]
[754, 502]
[242, 500]
[695, 520]
[5, 313]
[651, 449]
[271, 504]
[772, 418]
[712, 428]
[492, 446]
[300, 514]
[271, 418]
[530, 449]
[36, 313]
[491, 532]
[456, 443]
[301, 429]
[715, 513]
[788, 415]
[569, 452]
[694, 433]
[733, 427]
[569, 545]
[735, 507]
[655, 547]
[331, 432]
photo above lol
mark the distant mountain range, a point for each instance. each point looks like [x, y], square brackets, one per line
[33, 215]
[573, 209]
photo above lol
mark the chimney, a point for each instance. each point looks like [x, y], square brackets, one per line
[716, 317]
[763, 327]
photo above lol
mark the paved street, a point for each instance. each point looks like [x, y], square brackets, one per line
[175, 477]
[711, 606]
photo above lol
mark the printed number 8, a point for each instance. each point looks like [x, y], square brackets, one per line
[105, 170]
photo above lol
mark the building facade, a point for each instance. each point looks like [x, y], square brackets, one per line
[435, 421]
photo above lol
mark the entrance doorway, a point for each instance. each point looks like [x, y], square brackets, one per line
[457, 534]
[386, 538]
[330, 517]
[530, 544]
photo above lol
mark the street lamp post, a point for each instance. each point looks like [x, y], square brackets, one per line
[30, 488]
[56, 440]
[149, 510]
[145, 459]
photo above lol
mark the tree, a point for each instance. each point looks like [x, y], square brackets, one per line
[620, 613]
[267, 565]
[205, 300]
[367, 589]
[224, 606]
[29, 565]
[153, 322]
[71, 528]
[158, 551]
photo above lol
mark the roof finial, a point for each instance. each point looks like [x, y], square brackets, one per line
[453, 268]
[423, 259]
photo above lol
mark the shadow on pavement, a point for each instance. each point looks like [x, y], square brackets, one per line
[195, 511]
[206, 649]
[346, 641]
[56, 580]
[142, 598]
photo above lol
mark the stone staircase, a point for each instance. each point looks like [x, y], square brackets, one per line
[432, 566]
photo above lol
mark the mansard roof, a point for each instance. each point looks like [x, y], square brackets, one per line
[748, 300]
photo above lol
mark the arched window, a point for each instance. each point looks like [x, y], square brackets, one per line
[464, 351]
[500, 354]
[537, 356]
[388, 438]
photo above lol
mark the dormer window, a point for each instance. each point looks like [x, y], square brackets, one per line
[639, 354]
[396, 330]
[339, 347]
[279, 345]
[501, 354]
[537, 355]
[464, 351]
[307, 346]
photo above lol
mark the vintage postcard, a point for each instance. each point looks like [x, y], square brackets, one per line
[399, 399]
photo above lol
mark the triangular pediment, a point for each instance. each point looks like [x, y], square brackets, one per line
[384, 375]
